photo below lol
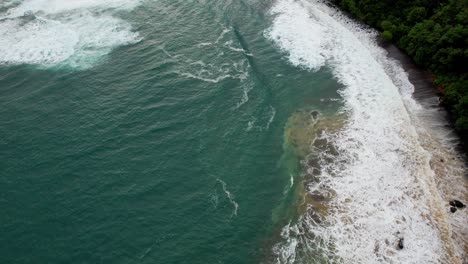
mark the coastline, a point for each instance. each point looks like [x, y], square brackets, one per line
[409, 26]
[432, 171]
[427, 94]
[448, 153]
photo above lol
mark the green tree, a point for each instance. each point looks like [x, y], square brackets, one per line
[416, 14]
[387, 35]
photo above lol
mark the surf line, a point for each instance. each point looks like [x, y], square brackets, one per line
[230, 196]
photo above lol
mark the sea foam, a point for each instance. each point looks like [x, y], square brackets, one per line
[383, 185]
[50, 32]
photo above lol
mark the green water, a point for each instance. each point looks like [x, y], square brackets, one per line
[125, 161]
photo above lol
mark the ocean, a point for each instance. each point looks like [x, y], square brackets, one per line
[202, 131]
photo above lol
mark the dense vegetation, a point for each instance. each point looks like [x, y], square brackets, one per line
[435, 34]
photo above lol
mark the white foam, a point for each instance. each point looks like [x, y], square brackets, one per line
[251, 124]
[229, 45]
[211, 72]
[212, 65]
[203, 44]
[306, 51]
[384, 185]
[78, 32]
[272, 114]
[60, 6]
[216, 79]
[246, 88]
[221, 36]
[291, 184]
[214, 199]
[8, 4]
[230, 197]
[39, 41]
[287, 252]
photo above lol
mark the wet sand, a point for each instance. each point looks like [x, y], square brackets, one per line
[426, 93]
[449, 159]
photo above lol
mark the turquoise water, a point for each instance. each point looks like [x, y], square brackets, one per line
[167, 148]
[249, 131]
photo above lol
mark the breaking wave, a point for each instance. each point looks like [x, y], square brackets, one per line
[50, 32]
[378, 181]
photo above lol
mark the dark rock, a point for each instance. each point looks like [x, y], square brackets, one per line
[453, 209]
[315, 114]
[457, 204]
[441, 160]
[400, 243]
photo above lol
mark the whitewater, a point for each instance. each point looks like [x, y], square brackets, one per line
[74, 33]
[386, 183]
[174, 131]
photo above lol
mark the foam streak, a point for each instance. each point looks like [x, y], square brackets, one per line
[229, 196]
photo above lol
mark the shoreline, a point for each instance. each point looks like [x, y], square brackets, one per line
[431, 174]
[447, 73]
[426, 93]
[448, 153]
